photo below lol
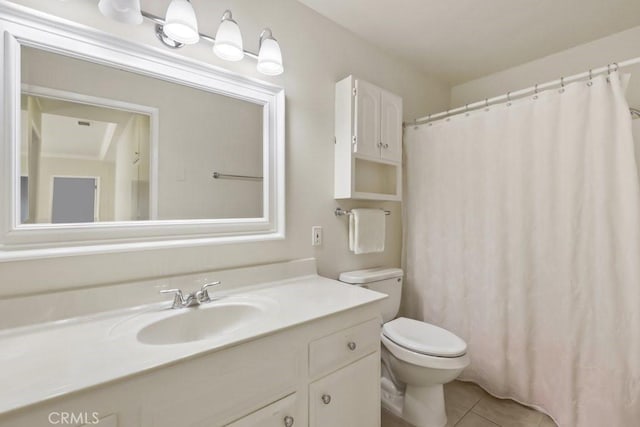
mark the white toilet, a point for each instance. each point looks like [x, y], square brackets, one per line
[417, 357]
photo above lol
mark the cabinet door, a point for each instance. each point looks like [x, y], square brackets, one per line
[108, 421]
[391, 127]
[367, 126]
[283, 413]
[350, 397]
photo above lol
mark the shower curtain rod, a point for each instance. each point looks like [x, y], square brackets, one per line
[510, 96]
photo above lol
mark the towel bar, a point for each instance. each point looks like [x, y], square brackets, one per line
[218, 175]
[342, 212]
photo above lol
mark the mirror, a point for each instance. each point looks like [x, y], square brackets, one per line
[87, 154]
[112, 145]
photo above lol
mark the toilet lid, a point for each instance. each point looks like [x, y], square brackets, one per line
[424, 338]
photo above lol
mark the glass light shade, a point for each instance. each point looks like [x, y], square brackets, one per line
[270, 58]
[228, 43]
[180, 23]
[125, 11]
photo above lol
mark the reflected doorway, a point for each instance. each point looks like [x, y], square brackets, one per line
[74, 199]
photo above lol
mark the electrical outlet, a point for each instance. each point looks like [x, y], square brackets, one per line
[316, 235]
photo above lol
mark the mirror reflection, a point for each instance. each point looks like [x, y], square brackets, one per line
[82, 163]
[102, 144]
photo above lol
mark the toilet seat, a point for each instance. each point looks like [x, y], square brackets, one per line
[423, 344]
[424, 338]
[424, 360]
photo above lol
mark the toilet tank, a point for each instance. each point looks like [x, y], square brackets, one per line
[384, 280]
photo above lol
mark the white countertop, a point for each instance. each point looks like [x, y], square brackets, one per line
[41, 362]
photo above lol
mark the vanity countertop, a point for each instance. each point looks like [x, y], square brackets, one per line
[41, 362]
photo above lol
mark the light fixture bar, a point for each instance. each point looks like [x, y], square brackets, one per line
[160, 21]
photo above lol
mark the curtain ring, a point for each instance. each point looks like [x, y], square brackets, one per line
[535, 91]
[561, 84]
[509, 99]
[448, 118]
[609, 71]
[486, 104]
[466, 109]
[429, 122]
[590, 82]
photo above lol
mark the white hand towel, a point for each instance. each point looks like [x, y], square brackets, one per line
[366, 230]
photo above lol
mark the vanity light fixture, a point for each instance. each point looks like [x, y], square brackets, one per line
[125, 11]
[228, 44]
[180, 27]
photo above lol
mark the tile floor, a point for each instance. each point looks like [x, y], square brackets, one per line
[470, 406]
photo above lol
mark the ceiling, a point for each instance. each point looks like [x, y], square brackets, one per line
[461, 40]
[63, 136]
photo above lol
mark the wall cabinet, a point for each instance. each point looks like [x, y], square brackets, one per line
[275, 381]
[368, 141]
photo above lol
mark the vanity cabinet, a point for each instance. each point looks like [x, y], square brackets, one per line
[277, 380]
[368, 141]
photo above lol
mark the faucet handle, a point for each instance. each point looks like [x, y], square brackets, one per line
[203, 295]
[178, 299]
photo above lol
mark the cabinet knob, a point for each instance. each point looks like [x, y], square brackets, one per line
[386, 145]
[326, 399]
[288, 421]
[352, 345]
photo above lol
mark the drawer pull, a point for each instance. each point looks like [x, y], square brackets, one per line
[288, 421]
[326, 399]
[351, 345]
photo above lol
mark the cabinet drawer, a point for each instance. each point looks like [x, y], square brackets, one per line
[341, 348]
[283, 413]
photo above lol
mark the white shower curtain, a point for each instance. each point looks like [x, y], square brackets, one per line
[522, 236]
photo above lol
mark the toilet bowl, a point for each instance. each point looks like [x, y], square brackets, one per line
[417, 358]
[424, 357]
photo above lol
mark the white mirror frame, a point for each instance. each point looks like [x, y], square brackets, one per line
[22, 26]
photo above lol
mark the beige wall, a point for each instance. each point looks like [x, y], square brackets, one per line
[614, 48]
[125, 175]
[317, 53]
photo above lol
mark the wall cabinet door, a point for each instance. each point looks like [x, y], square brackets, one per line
[367, 117]
[350, 397]
[391, 127]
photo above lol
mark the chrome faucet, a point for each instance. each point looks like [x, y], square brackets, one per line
[192, 299]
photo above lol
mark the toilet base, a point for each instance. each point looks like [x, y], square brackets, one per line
[392, 398]
[424, 406]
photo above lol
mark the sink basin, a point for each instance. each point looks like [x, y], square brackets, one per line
[204, 322]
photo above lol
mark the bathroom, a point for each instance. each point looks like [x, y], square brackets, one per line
[291, 336]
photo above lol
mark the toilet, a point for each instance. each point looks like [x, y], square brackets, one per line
[417, 358]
